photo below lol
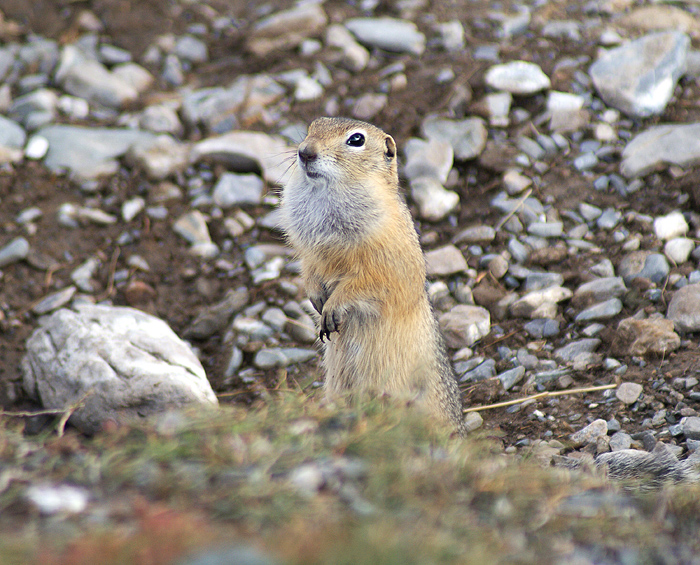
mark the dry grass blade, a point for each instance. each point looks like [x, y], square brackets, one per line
[545, 394]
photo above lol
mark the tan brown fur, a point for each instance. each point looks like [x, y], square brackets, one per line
[364, 270]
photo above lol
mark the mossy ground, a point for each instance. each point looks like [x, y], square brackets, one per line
[394, 490]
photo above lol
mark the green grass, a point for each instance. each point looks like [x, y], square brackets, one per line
[396, 491]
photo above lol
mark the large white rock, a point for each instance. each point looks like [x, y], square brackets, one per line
[124, 362]
[660, 146]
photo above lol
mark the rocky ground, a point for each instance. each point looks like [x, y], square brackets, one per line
[547, 156]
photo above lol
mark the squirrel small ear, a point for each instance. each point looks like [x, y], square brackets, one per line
[390, 147]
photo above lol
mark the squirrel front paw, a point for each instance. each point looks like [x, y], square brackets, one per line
[330, 322]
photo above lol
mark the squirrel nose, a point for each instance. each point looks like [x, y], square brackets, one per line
[306, 154]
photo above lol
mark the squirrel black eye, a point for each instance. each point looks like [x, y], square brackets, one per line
[356, 140]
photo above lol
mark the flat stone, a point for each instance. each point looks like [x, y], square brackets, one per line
[160, 157]
[54, 301]
[679, 249]
[192, 226]
[15, 250]
[390, 34]
[628, 393]
[121, 362]
[248, 152]
[684, 308]
[354, 56]
[602, 311]
[447, 260]
[464, 325]
[282, 357]
[432, 158]
[286, 29]
[89, 79]
[467, 137]
[218, 109]
[639, 77]
[528, 305]
[598, 290]
[653, 336]
[690, 427]
[476, 234]
[542, 328]
[644, 264]
[571, 351]
[659, 147]
[511, 377]
[433, 200]
[594, 430]
[517, 77]
[235, 189]
[88, 152]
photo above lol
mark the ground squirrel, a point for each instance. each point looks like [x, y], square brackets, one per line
[364, 269]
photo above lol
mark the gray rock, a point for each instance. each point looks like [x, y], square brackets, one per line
[233, 190]
[248, 151]
[122, 363]
[619, 441]
[173, 72]
[546, 229]
[483, 371]
[628, 393]
[690, 427]
[467, 137]
[531, 148]
[159, 157]
[594, 430]
[511, 377]
[54, 301]
[684, 308]
[286, 29]
[609, 219]
[475, 234]
[189, 48]
[515, 182]
[598, 290]
[603, 311]
[679, 249]
[35, 109]
[542, 328]
[538, 281]
[88, 152]
[218, 108]
[643, 264]
[282, 357]
[432, 158]
[579, 348]
[464, 325]
[160, 118]
[659, 146]
[497, 105]
[192, 227]
[390, 34]
[446, 260]
[84, 274]
[14, 251]
[639, 77]
[12, 136]
[517, 77]
[433, 200]
[590, 213]
[529, 305]
[354, 56]
[89, 79]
